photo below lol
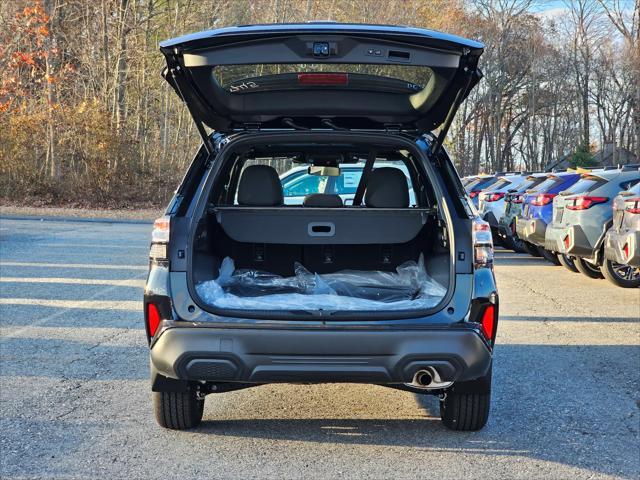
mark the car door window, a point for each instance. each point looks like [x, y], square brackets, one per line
[305, 185]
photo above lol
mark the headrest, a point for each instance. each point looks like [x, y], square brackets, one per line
[387, 188]
[260, 187]
[326, 200]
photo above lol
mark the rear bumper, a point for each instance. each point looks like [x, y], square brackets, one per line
[532, 230]
[313, 356]
[614, 243]
[568, 240]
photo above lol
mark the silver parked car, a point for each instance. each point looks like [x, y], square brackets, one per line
[622, 241]
[583, 214]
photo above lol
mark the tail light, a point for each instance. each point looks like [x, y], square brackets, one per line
[633, 205]
[474, 193]
[543, 199]
[153, 319]
[323, 79]
[518, 199]
[482, 244]
[584, 202]
[160, 238]
[493, 197]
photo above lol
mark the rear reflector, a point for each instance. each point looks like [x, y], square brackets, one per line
[488, 322]
[153, 319]
[566, 241]
[625, 249]
[323, 79]
[584, 202]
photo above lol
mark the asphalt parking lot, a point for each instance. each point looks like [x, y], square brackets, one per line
[75, 399]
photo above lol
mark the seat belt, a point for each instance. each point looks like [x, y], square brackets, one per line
[364, 179]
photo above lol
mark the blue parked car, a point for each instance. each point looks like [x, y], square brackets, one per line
[537, 213]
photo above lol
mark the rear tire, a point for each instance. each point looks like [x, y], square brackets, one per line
[467, 404]
[531, 249]
[549, 256]
[567, 262]
[178, 410]
[586, 268]
[624, 276]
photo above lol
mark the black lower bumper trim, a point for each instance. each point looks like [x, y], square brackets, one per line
[304, 356]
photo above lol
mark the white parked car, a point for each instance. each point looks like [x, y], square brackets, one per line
[297, 183]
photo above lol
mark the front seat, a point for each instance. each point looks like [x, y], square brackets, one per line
[260, 186]
[324, 200]
[387, 188]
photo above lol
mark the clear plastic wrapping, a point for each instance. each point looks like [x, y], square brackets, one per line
[408, 288]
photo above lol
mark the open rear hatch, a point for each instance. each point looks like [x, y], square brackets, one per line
[321, 75]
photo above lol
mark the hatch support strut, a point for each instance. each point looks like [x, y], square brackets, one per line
[460, 96]
[177, 76]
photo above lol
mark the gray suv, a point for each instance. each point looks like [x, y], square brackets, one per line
[583, 214]
[245, 290]
[622, 242]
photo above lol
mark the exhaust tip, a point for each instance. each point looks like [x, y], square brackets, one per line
[423, 378]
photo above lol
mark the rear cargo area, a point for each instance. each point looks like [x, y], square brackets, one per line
[255, 249]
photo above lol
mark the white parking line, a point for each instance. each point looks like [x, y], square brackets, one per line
[74, 265]
[132, 305]
[75, 281]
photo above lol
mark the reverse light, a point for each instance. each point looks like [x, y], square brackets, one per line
[482, 244]
[585, 202]
[634, 205]
[323, 79]
[153, 319]
[543, 199]
[493, 197]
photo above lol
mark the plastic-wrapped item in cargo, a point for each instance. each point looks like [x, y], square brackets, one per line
[408, 288]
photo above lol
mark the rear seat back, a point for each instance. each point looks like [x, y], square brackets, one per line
[387, 188]
[260, 187]
[323, 200]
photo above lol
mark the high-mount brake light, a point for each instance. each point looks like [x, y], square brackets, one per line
[494, 197]
[634, 205]
[543, 199]
[323, 79]
[482, 244]
[584, 202]
[153, 319]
